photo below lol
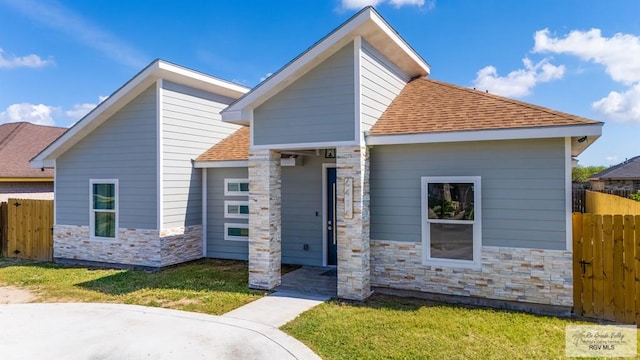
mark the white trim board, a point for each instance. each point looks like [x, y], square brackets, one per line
[482, 135]
[221, 164]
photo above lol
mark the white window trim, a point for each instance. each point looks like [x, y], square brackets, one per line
[92, 211]
[476, 263]
[229, 215]
[234, 193]
[235, 225]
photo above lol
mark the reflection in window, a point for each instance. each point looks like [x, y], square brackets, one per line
[451, 223]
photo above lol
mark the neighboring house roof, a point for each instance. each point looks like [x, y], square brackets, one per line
[626, 170]
[427, 106]
[155, 71]
[368, 25]
[21, 141]
[234, 147]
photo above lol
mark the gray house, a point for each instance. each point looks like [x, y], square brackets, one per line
[348, 156]
[623, 176]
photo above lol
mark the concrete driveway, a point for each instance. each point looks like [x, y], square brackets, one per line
[115, 331]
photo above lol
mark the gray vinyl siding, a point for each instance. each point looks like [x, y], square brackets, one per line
[217, 246]
[301, 201]
[123, 148]
[191, 123]
[318, 107]
[381, 82]
[523, 196]
[301, 213]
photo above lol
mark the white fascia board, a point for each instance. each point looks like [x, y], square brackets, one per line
[393, 35]
[39, 164]
[221, 164]
[313, 56]
[484, 135]
[99, 114]
[199, 80]
[306, 146]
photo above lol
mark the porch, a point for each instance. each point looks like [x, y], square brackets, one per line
[311, 280]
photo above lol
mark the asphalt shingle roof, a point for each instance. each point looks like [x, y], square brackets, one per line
[626, 170]
[233, 147]
[21, 141]
[428, 106]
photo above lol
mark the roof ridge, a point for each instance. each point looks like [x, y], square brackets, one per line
[512, 101]
[614, 167]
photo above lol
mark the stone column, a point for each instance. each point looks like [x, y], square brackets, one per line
[264, 219]
[352, 165]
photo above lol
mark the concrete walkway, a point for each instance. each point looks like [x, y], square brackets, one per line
[114, 331]
[277, 309]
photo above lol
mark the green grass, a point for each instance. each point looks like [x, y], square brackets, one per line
[386, 327]
[206, 286]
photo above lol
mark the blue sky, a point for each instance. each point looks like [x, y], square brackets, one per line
[58, 59]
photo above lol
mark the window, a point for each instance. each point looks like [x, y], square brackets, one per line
[236, 209]
[451, 222]
[236, 187]
[104, 209]
[236, 232]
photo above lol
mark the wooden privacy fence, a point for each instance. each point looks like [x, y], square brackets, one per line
[601, 203]
[606, 267]
[27, 229]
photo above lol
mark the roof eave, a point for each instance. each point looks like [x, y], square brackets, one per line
[367, 24]
[592, 131]
[200, 164]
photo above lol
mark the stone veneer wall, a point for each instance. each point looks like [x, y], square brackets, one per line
[265, 237]
[140, 247]
[514, 274]
[353, 233]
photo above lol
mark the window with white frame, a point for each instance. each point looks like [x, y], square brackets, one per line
[236, 232]
[236, 209]
[236, 187]
[451, 221]
[104, 208]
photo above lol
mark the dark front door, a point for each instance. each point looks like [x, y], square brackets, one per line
[332, 242]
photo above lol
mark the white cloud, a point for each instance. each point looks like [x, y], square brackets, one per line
[620, 106]
[46, 115]
[78, 111]
[265, 76]
[38, 114]
[56, 16]
[612, 158]
[517, 83]
[28, 61]
[620, 54]
[359, 4]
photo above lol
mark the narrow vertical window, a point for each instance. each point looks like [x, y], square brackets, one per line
[104, 209]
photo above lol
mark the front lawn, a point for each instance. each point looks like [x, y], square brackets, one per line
[386, 327]
[207, 286]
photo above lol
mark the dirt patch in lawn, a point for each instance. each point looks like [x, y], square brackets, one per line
[14, 295]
